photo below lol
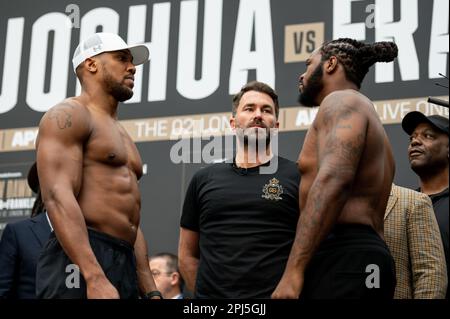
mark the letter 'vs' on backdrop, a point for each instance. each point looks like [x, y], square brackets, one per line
[202, 52]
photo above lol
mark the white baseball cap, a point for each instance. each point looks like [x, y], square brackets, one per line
[107, 42]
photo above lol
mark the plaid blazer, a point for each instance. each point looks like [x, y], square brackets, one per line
[412, 234]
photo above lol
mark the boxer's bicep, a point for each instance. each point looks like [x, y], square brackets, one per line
[61, 137]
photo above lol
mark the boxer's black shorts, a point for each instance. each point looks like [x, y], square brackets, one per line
[56, 278]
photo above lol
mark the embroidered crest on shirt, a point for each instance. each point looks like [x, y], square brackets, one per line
[273, 190]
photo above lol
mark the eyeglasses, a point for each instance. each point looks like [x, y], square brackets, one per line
[156, 273]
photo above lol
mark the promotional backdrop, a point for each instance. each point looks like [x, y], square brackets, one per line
[201, 53]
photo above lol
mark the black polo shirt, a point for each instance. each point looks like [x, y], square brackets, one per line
[246, 223]
[441, 209]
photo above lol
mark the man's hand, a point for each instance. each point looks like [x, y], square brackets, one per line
[289, 287]
[101, 288]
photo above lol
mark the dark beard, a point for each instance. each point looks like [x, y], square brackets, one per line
[260, 141]
[315, 85]
[118, 91]
[256, 141]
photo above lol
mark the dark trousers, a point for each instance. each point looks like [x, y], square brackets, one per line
[57, 277]
[353, 262]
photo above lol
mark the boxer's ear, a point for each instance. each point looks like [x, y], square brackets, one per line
[91, 65]
[331, 64]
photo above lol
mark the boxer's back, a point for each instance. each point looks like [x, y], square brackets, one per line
[374, 174]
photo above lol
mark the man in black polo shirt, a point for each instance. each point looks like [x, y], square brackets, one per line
[428, 155]
[239, 219]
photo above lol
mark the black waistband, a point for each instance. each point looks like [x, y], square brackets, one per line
[352, 235]
[111, 240]
[350, 229]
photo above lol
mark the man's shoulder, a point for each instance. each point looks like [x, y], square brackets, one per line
[39, 218]
[440, 199]
[70, 116]
[287, 162]
[443, 194]
[14, 227]
[19, 223]
[343, 101]
[410, 195]
[347, 96]
[288, 169]
[73, 104]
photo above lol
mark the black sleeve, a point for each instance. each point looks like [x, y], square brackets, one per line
[191, 213]
[8, 260]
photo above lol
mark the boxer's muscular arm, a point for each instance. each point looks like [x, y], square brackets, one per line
[144, 273]
[62, 133]
[341, 135]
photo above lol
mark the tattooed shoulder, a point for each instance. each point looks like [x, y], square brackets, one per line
[337, 110]
[62, 115]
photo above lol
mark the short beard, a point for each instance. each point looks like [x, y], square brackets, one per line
[254, 139]
[118, 91]
[309, 93]
[257, 140]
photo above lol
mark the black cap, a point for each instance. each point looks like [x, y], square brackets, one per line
[412, 119]
[33, 179]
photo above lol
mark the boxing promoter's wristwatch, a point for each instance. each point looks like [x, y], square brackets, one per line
[151, 294]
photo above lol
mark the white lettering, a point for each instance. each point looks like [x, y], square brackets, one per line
[439, 39]
[196, 150]
[11, 66]
[342, 21]
[401, 33]
[159, 52]
[74, 15]
[212, 150]
[155, 128]
[16, 203]
[180, 151]
[37, 98]
[73, 279]
[24, 138]
[158, 47]
[373, 280]
[187, 84]
[136, 34]
[253, 13]
[306, 117]
[370, 19]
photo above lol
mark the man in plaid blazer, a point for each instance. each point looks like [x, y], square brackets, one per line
[412, 234]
